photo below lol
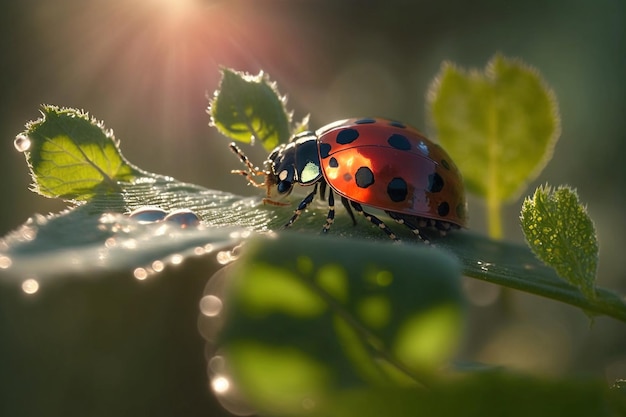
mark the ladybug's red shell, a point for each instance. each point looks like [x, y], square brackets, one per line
[393, 167]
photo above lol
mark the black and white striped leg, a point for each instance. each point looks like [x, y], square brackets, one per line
[330, 218]
[415, 228]
[373, 219]
[251, 172]
[301, 207]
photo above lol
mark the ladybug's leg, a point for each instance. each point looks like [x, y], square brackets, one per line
[251, 172]
[323, 190]
[346, 204]
[301, 207]
[373, 219]
[408, 223]
[330, 218]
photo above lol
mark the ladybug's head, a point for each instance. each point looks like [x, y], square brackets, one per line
[281, 170]
[295, 162]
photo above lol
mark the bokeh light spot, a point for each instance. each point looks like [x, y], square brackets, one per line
[220, 384]
[210, 305]
[140, 273]
[30, 286]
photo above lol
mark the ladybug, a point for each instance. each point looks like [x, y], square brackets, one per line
[374, 162]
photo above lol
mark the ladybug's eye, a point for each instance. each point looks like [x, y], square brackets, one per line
[285, 183]
[284, 187]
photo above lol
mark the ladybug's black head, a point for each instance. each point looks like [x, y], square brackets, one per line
[295, 162]
[281, 169]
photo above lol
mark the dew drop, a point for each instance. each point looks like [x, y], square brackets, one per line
[184, 218]
[177, 259]
[22, 143]
[140, 273]
[224, 257]
[148, 214]
[30, 286]
[5, 262]
[27, 233]
[210, 305]
[158, 266]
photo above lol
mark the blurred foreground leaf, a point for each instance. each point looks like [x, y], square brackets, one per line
[249, 108]
[499, 126]
[560, 232]
[482, 394]
[310, 315]
[321, 327]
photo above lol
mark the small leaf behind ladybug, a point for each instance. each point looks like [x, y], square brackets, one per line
[249, 108]
[559, 231]
[500, 125]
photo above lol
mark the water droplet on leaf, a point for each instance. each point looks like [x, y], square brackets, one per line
[22, 143]
[184, 218]
[148, 214]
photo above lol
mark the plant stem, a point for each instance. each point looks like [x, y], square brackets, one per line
[494, 203]
[494, 216]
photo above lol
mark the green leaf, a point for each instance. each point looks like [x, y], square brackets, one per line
[308, 315]
[41, 247]
[559, 231]
[249, 108]
[499, 126]
[71, 155]
[480, 394]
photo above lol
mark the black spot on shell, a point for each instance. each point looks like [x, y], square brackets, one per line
[325, 150]
[443, 209]
[364, 177]
[445, 164]
[397, 189]
[365, 121]
[347, 136]
[399, 142]
[333, 162]
[435, 183]
[397, 124]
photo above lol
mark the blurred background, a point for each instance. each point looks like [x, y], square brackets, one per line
[147, 67]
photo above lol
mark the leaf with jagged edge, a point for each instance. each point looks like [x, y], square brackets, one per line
[497, 262]
[72, 156]
[249, 108]
[559, 231]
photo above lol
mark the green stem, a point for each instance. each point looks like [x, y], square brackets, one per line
[494, 216]
[494, 203]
